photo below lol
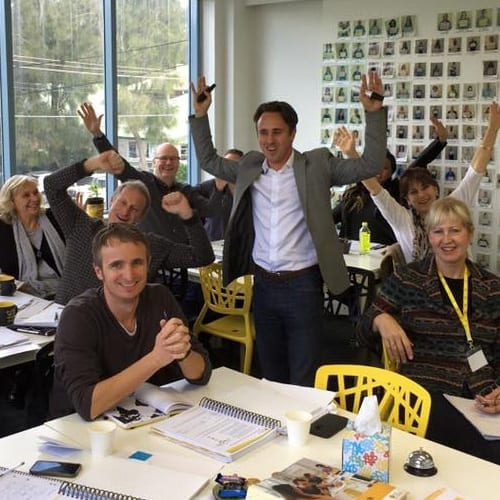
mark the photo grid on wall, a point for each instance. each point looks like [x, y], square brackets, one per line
[452, 75]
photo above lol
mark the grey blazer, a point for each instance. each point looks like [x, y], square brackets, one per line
[315, 172]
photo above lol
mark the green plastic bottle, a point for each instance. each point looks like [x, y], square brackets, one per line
[364, 238]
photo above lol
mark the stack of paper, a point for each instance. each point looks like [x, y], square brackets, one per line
[9, 338]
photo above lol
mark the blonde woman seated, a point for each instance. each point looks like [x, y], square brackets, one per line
[32, 248]
[439, 318]
[418, 189]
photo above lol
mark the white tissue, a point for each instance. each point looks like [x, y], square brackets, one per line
[367, 421]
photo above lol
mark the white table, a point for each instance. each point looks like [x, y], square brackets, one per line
[472, 477]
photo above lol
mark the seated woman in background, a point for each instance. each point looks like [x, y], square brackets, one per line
[432, 315]
[418, 189]
[32, 248]
[357, 205]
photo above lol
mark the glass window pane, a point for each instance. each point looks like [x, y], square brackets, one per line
[152, 79]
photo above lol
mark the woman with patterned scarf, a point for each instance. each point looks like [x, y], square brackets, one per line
[418, 189]
[32, 248]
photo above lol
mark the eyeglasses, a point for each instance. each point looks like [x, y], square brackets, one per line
[167, 158]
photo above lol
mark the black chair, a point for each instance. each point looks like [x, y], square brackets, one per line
[176, 279]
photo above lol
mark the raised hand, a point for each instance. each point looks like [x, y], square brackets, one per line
[371, 83]
[92, 122]
[346, 142]
[177, 203]
[109, 161]
[200, 108]
[441, 130]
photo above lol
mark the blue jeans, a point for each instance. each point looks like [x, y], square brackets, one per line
[288, 316]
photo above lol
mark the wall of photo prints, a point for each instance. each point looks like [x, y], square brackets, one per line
[452, 75]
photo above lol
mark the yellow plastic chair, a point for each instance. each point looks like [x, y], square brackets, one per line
[233, 302]
[402, 402]
[387, 362]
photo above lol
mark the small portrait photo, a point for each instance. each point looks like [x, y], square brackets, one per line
[326, 116]
[359, 28]
[357, 72]
[341, 73]
[328, 51]
[468, 132]
[452, 132]
[489, 90]
[452, 112]
[408, 25]
[436, 70]
[453, 91]
[418, 133]
[388, 49]
[404, 47]
[375, 27]
[484, 198]
[484, 18]
[388, 91]
[454, 45]
[342, 50]
[436, 91]
[418, 113]
[401, 152]
[404, 69]
[453, 70]
[402, 132]
[464, 20]
[484, 219]
[419, 91]
[491, 43]
[467, 153]
[341, 95]
[355, 94]
[483, 240]
[490, 68]
[436, 111]
[437, 46]
[327, 94]
[344, 29]
[326, 136]
[358, 51]
[469, 90]
[420, 70]
[435, 171]
[388, 69]
[498, 24]
[485, 112]
[473, 43]
[392, 27]
[402, 113]
[416, 151]
[340, 115]
[450, 175]
[451, 153]
[355, 117]
[374, 49]
[468, 112]
[327, 74]
[482, 260]
[444, 21]
[421, 46]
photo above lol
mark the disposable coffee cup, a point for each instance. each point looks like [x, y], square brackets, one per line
[8, 311]
[102, 437]
[298, 425]
[7, 285]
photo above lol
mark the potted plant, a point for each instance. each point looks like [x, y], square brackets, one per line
[94, 205]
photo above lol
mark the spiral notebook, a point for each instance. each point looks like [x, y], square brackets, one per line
[220, 430]
[15, 484]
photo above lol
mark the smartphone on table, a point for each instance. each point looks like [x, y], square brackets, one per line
[55, 468]
[328, 425]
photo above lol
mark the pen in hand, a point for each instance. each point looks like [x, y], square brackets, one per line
[12, 469]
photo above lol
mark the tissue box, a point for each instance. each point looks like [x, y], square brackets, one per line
[367, 456]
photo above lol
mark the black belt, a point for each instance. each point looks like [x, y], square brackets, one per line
[283, 275]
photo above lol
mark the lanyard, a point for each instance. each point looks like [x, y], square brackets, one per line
[462, 314]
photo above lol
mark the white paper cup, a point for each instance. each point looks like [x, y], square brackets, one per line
[102, 436]
[298, 425]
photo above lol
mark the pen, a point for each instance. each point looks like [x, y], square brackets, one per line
[56, 316]
[12, 469]
[28, 330]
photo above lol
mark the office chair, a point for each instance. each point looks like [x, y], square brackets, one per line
[233, 303]
[402, 402]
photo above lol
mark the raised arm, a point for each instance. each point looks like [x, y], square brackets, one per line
[433, 149]
[483, 153]
[92, 123]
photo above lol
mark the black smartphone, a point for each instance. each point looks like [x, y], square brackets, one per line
[55, 468]
[328, 425]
